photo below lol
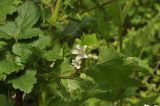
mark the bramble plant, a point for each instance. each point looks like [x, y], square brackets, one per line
[79, 53]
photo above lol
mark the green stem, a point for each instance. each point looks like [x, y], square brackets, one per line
[42, 97]
[54, 17]
[120, 26]
[55, 11]
[71, 76]
[121, 102]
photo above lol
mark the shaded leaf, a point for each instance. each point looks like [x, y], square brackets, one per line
[42, 43]
[107, 54]
[114, 72]
[65, 68]
[55, 53]
[146, 100]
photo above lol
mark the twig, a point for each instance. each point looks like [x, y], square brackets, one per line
[72, 76]
[55, 11]
[156, 68]
[19, 98]
[100, 5]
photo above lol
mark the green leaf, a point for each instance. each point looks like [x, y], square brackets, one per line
[42, 43]
[131, 49]
[126, 9]
[116, 74]
[7, 67]
[114, 11]
[26, 19]
[65, 68]
[71, 28]
[114, 71]
[89, 40]
[71, 85]
[144, 35]
[9, 31]
[147, 100]
[3, 77]
[31, 32]
[23, 50]
[55, 53]
[7, 7]
[96, 101]
[73, 88]
[25, 82]
[107, 54]
[22, 27]
[46, 2]
[2, 45]
[138, 65]
[17, 2]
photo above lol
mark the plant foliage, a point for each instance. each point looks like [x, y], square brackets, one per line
[79, 52]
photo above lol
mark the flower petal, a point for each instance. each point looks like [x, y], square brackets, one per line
[85, 47]
[79, 57]
[75, 51]
[85, 56]
[78, 66]
[78, 47]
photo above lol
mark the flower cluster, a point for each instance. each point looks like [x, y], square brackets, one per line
[80, 52]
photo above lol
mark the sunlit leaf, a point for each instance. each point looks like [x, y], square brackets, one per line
[22, 27]
[25, 82]
[7, 7]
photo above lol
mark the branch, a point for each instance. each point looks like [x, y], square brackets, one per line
[156, 68]
[55, 11]
[71, 76]
[101, 5]
[19, 98]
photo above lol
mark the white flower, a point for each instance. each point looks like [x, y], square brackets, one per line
[146, 105]
[76, 63]
[80, 52]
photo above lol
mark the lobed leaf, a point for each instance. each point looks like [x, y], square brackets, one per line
[7, 67]
[25, 82]
[55, 53]
[22, 27]
[7, 7]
